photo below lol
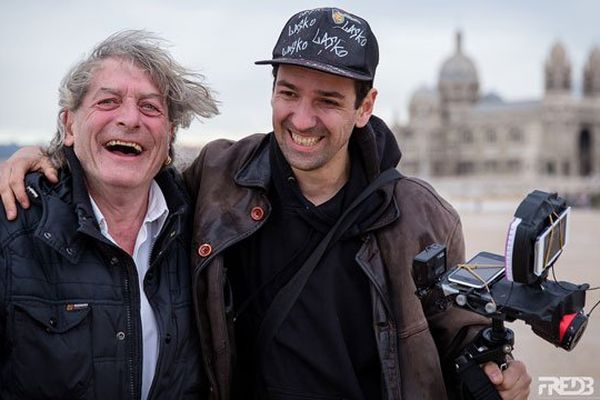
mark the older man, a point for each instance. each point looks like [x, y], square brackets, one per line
[95, 298]
[295, 298]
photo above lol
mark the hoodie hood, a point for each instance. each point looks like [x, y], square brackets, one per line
[378, 146]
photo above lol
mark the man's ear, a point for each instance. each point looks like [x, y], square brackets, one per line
[67, 122]
[366, 108]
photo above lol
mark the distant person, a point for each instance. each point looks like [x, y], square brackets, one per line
[95, 299]
[273, 323]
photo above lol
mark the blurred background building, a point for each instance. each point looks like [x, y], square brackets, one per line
[474, 143]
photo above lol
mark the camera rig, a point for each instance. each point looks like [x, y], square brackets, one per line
[508, 288]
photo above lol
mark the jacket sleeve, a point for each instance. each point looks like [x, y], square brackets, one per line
[192, 175]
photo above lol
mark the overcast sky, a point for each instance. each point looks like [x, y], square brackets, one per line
[508, 40]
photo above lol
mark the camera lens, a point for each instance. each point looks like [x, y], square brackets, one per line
[571, 328]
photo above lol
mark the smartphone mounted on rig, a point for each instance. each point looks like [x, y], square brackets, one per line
[536, 237]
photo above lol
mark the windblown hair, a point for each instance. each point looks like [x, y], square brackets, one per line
[184, 91]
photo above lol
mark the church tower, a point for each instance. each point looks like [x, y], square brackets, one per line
[558, 71]
[591, 74]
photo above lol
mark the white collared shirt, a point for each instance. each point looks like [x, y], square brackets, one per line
[154, 220]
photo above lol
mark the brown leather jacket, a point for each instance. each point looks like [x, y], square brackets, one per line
[229, 182]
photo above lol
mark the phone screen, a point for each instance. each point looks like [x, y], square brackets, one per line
[549, 245]
[487, 266]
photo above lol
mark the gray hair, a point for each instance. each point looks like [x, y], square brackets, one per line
[184, 91]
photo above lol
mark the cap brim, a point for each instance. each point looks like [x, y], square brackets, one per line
[318, 66]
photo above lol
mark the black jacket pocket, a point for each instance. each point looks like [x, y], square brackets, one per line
[51, 350]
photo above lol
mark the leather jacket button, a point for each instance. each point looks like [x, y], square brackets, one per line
[257, 213]
[204, 250]
[121, 335]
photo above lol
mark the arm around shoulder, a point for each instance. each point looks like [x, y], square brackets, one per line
[12, 177]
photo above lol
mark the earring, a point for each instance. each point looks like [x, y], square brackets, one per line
[168, 161]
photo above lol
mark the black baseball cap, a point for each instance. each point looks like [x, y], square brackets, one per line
[330, 40]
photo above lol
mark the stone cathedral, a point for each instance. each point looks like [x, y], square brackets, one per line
[454, 131]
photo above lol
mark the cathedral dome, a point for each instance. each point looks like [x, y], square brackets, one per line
[458, 79]
[424, 102]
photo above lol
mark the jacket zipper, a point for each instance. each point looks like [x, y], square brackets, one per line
[133, 334]
[130, 337]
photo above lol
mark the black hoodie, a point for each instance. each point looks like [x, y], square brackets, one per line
[326, 346]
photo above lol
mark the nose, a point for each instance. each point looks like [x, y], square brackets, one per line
[303, 116]
[129, 115]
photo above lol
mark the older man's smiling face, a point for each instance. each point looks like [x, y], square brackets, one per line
[121, 132]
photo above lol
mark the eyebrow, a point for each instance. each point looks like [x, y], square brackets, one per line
[118, 93]
[323, 93]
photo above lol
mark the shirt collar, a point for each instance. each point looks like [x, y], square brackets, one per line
[157, 210]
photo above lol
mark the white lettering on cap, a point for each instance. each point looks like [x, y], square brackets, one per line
[297, 46]
[297, 27]
[330, 42]
[356, 33]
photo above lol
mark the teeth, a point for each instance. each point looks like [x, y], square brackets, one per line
[135, 146]
[305, 141]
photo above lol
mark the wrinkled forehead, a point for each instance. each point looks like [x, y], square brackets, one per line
[115, 67]
[121, 74]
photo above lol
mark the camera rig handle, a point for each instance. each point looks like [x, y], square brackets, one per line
[494, 343]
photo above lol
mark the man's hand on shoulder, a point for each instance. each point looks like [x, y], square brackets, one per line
[512, 383]
[12, 177]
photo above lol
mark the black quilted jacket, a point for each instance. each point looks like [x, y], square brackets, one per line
[69, 301]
